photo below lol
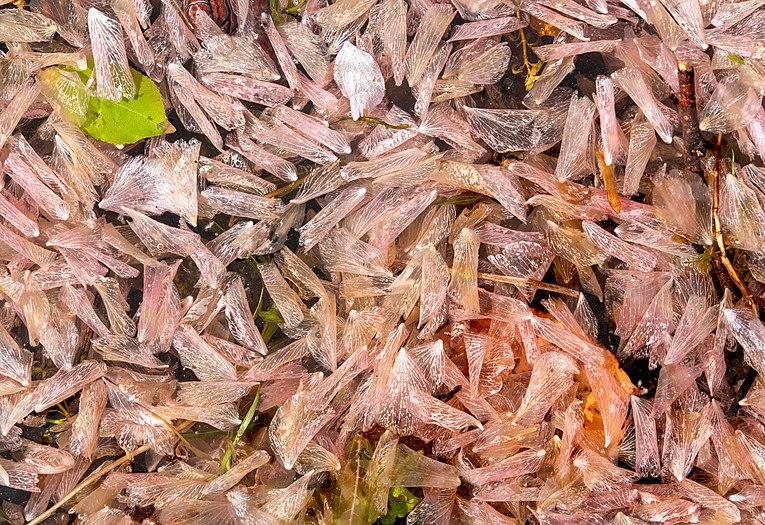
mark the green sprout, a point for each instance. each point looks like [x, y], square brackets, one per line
[225, 462]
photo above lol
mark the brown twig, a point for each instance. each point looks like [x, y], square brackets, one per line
[609, 182]
[521, 281]
[694, 144]
[717, 225]
[98, 474]
[284, 190]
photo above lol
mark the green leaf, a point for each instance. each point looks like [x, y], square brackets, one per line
[400, 503]
[127, 121]
[736, 59]
[271, 315]
[225, 462]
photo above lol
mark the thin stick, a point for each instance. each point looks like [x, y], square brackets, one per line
[529, 282]
[717, 223]
[98, 474]
[689, 120]
[609, 182]
[286, 189]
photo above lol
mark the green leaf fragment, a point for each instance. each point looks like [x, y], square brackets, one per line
[272, 315]
[130, 120]
[225, 462]
[736, 59]
[400, 503]
[122, 122]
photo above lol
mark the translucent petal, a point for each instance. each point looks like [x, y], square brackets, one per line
[235, 55]
[125, 349]
[240, 204]
[610, 131]
[282, 53]
[632, 82]
[396, 220]
[227, 113]
[750, 334]
[299, 273]
[315, 229]
[435, 282]
[21, 478]
[196, 354]
[673, 381]
[285, 138]
[448, 126]
[18, 25]
[15, 362]
[424, 88]
[240, 319]
[222, 417]
[432, 27]
[411, 469]
[642, 143]
[359, 78]
[114, 80]
[66, 383]
[464, 282]
[128, 17]
[316, 458]
[482, 61]
[38, 255]
[393, 28]
[323, 343]
[484, 28]
[732, 105]
[114, 302]
[342, 252]
[572, 27]
[615, 247]
[646, 444]
[294, 425]
[557, 51]
[43, 459]
[525, 462]
[160, 239]
[66, 92]
[688, 16]
[19, 220]
[579, 12]
[190, 112]
[284, 298]
[245, 88]
[339, 14]
[742, 217]
[697, 323]
[684, 204]
[308, 49]
[160, 309]
[84, 437]
[154, 186]
[552, 374]
[612, 396]
[575, 138]
[517, 129]
[599, 472]
[314, 129]
[28, 178]
[266, 160]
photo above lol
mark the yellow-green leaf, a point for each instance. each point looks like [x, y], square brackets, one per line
[122, 122]
[130, 120]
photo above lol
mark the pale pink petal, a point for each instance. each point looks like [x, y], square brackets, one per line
[114, 80]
